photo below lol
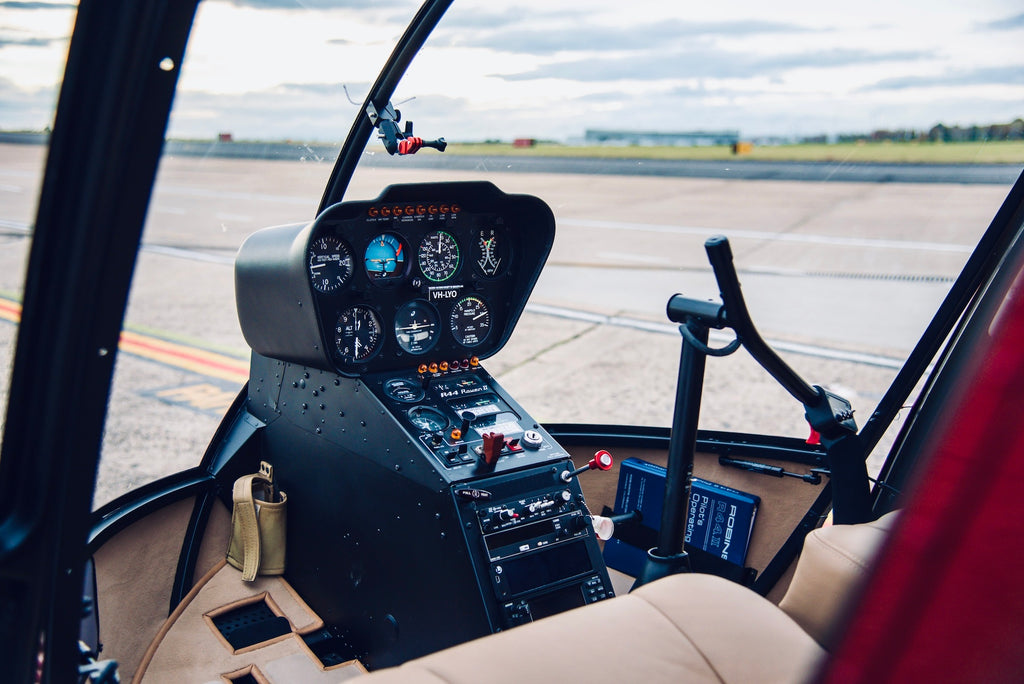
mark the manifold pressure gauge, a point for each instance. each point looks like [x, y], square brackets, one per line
[470, 321]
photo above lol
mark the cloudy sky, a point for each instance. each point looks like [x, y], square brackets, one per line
[278, 69]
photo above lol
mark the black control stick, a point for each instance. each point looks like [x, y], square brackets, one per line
[829, 415]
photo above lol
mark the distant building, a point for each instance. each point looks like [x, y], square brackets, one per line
[657, 138]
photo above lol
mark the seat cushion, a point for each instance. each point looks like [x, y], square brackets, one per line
[684, 628]
[832, 568]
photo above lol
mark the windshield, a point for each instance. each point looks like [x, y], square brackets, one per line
[852, 156]
[33, 46]
[802, 133]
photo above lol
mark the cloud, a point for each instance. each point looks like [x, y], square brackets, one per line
[706, 63]
[315, 4]
[838, 58]
[309, 111]
[14, 4]
[30, 42]
[510, 16]
[1007, 24]
[26, 109]
[562, 32]
[1001, 75]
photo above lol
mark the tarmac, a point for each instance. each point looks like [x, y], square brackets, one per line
[593, 345]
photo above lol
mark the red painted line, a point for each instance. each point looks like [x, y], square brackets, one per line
[174, 354]
[205, 359]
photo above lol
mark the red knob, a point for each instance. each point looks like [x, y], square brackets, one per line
[602, 459]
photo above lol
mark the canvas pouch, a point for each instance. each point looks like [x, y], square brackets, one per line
[257, 545]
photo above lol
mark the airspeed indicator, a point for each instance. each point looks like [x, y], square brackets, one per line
[470, 321]
[438, 256]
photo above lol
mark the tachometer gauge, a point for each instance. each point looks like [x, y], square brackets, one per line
[438, 256]
[470, 321]
[490, 252]
[330, 263]
[416, 327]
[427, 419]
[358, 334]
[385, 258]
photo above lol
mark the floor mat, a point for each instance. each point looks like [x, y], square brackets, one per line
[227, 630]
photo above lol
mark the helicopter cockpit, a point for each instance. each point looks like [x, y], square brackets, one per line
[442, 439]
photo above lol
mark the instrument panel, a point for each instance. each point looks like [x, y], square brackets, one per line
[411, 280]
[425, 277]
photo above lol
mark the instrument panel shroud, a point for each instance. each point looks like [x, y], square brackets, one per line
[440, 272]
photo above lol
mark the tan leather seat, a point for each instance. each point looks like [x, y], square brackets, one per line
[684, 628]
[832, 569]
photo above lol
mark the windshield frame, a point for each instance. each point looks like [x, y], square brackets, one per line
[122, 70]
[379, 98]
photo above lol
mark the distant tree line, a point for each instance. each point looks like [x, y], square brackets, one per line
[942, 133]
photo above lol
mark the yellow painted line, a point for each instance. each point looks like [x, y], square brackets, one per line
[175, 354]
[202, 397]
[182, 356]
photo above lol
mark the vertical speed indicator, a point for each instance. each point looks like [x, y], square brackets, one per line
[470, 321]
[330, 263]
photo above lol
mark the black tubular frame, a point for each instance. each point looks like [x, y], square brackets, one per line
[122, 69]
[408, 46]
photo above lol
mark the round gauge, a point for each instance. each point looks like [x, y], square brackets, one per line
[330, 263]
[427, 419]
[490, 252]
[416, 327]
[404, 390]
[438, 256]
[385, 258]
[358, 334]
[470, 321]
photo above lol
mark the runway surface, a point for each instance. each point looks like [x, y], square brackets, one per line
[738, 169]
[842, 277]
